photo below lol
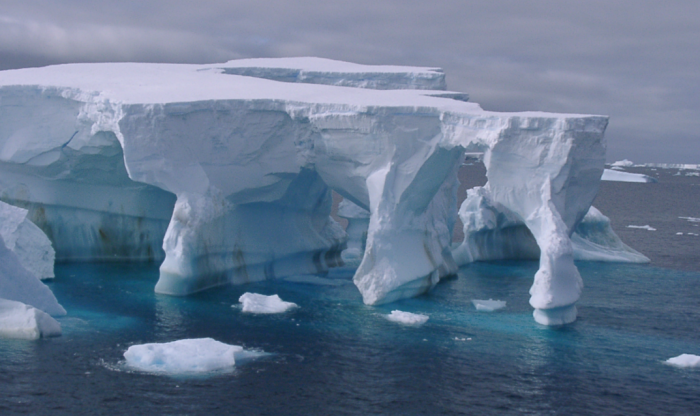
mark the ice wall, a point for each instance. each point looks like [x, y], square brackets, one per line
[69, 173]
[492, 232]
[251, 162]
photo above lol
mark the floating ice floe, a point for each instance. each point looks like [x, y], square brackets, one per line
[488, 305]
[256, 303]
[21, 321]
[201, 355]
[407, 318]
[642, 227]
[618, 176]
[691, 219]
[684, 361]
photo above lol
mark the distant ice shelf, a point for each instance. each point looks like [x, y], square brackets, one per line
[224, 171]
[618, 176]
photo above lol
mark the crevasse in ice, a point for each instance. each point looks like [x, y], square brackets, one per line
[231, 166]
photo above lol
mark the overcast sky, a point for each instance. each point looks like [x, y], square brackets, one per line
[637, 61]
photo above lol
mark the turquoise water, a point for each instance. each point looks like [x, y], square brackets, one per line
[334, 355]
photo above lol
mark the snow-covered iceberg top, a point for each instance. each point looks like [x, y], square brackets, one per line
[186, 356]
[685, 361]
[407, 318]
[257, 303]
[331, 72]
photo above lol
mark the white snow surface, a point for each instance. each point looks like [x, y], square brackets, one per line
[251, 162]
[21, 321]
[407, 318]
[21, 285]
[27, 241]
[314, 70]
[684, 361]
[618, 176]
[488, 305]
[257, 303]
[185, 356]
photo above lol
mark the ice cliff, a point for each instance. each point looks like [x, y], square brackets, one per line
[229, 168]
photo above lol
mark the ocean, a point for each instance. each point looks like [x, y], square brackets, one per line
[334, 355]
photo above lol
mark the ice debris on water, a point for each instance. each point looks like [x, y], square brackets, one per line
[691, 219]
[201, 355]
[21, 321]
[257, 303]
[684, 361]
[407, 318]
[642, 227]
[488, 305]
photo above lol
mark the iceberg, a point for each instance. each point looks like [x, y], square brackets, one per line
[407, 318]
[185, 356]
[257, 303]
[625, 163]
[27, 241]
[21, 321]
[684, 361]
[488, 305]
[224, 171]
[642, 227]
[618, 176]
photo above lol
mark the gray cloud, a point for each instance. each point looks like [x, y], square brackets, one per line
[634, 60]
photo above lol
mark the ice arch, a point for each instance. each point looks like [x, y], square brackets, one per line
[251, 161]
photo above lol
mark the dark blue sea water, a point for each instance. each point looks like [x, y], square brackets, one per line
[334, 355]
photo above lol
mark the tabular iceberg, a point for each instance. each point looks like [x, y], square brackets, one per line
[238, 161]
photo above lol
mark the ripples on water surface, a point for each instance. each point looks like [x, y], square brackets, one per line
[333, 355]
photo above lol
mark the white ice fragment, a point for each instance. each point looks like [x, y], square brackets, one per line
[19, 284]
[27, 241]
[623, 163]
[256, 303]
[617, 176]
[684, 361]
[679, 233]
[407, 318]
[488, 305]
[692, 174]
[184, 356]
[691, 219]
[642, 227]
[18, 320]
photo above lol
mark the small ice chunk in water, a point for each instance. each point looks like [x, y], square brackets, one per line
[184, 356]
[684, 361]
[21, 321]
[642, 227]
[256, 303]
[679, 233]
[488, 305]
[407, 318]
